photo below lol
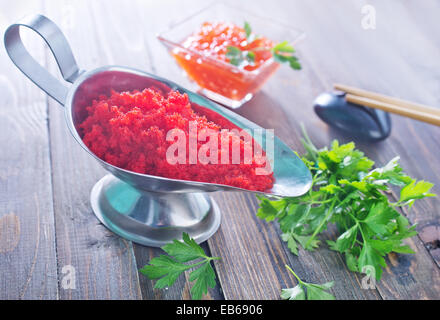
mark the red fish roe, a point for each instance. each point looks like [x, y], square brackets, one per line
[209, 44]
[214, 38]
[129, 130]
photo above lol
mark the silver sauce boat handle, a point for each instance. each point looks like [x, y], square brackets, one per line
[59, 46]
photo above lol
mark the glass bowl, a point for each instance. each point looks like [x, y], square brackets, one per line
[217, 79]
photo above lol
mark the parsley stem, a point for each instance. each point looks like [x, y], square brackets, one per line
[320, 202]
[362, 234]
[323, 222]
[198, 263]
[297, 278]
[398, 204]
[214, 258]
[206, 259]
[313, 150]
[312, 202]
[353, 217]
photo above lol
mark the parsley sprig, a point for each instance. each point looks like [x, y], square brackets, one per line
[281, 52]
[237, 57]
[167, 268]
[349, 193]
[314, 291]
[248, 30]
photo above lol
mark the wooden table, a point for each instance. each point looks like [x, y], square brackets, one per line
[46, 223]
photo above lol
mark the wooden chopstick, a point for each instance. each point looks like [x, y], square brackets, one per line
[414, 114]
[390, 104]
[386, 99]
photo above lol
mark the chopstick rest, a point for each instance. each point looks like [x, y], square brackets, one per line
[363, 113]
[354, 120]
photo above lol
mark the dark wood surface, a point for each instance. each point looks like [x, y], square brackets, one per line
[46, 222]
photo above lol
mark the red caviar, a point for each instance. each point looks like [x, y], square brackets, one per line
[211, 41]
[129, 130]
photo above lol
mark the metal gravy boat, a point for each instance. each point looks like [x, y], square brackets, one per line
[146, 209]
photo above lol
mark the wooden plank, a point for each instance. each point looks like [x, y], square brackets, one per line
[245, 271]
[423, 268]
[112, 29]
[253, 256]
[321, 265]
[180, 290]
[236, 283]
[104, 45]
[104, 263]
[422, 141]
[27, 236]
[412, 278]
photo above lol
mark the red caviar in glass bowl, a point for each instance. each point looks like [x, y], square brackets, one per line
[203, 57]
[213, 39]
[199, 44]
[129, 130]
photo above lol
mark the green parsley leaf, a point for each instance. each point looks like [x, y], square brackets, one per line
[295, 293]
[283, 53]
[165, 268]
[247, 29]
[370, 257]
[379, 216]
[204, 278]
[351, 258]
[415, 190]
[317, 292]
[283, 47]
[184, 251]
[314, 291]
[346, 240]
[331, 188]
[307, 242]
[349, 193]
[250, 56]
[390, 173]
[235, 55]
[238, 57]
[168, 268]
[403, 249]
[291, 242]
[269, 210]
